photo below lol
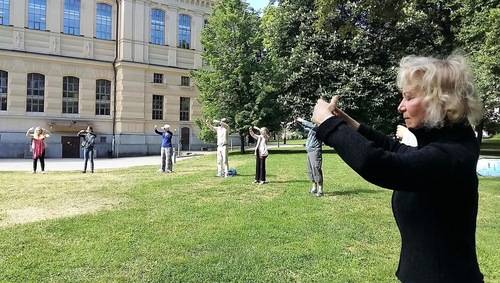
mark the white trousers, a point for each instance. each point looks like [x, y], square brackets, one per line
[222, 163]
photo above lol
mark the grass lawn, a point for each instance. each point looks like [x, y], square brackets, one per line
[134, 225]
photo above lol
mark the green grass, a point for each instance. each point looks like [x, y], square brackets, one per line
[133, 225]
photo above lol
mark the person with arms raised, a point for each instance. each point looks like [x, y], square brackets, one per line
[435, 186]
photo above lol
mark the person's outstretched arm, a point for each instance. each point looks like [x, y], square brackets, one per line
[158, 132]
[210, 126]
[324, 110]
[46, 132]
[225, 125]
[306, 125]
[252, 133]
[28, 131]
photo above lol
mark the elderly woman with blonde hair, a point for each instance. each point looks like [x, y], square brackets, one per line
[38, 146]
[435, 186]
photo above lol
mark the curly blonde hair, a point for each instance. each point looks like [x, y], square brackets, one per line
[447, 88]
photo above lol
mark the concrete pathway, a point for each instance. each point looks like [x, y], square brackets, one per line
[70, 164]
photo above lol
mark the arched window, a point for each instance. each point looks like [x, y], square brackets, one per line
[37, 14]
[102, 97]
[4, 86]
[184, 31]
[35, 93]
[157, 27]
[72, 17]
[103, 21]
[4, 12]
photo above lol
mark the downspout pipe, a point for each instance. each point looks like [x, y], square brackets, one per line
[115, 73]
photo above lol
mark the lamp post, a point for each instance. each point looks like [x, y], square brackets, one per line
[174, 156]
[178, 144]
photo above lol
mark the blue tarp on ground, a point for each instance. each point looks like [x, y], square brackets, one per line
[488, 167]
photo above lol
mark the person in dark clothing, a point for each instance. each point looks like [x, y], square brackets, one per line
[88, 147]
[435, 198]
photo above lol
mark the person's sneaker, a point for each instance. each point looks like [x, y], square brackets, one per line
[312, 191]
[160, 171]
[319, 194]
[255, 182]
[169, 171]
[83, 172]
[225, 175]
[43, 172]
[92, 171]
[262, 182]
[33, 172]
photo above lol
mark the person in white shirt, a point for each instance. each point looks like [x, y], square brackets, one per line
[222, 131]
[406, 136]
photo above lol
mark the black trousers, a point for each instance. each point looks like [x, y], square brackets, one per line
[260, 168]
[42, 161]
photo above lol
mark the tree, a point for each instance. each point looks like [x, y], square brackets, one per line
[479, 37]
[351, 48]
[232, 85]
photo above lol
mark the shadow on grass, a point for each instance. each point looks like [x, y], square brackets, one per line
[491, 153]
[283, 150]
[351, 192]
[301, 181]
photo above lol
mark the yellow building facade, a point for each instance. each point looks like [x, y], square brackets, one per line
[119, 66]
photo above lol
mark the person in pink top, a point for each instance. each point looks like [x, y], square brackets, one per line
[38, 146]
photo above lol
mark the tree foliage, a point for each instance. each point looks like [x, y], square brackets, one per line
[232, 84]
[479, 36]
[352, 48]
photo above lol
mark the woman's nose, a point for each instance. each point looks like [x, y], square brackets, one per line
[401, 107]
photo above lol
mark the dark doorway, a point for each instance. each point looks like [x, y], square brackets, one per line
[70, 147]
[185, 138]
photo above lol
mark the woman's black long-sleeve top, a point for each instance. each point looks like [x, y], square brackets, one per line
[435, 198]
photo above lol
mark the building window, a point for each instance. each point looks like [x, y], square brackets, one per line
[158, 78]
[185, 81]
[70, 98]
[4, 80]
[184, 109]
[184, 31]
[102, 97]
[157, 107]
[35, 93]
[103, 21]
[157, 27]
[37, 14]
[4, 12]
[72, 17]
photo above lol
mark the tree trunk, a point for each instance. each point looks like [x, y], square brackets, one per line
[479, 130]
[242, 142]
